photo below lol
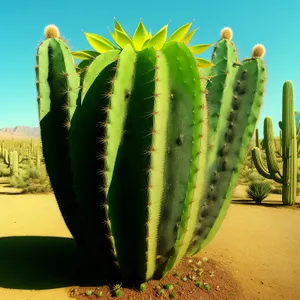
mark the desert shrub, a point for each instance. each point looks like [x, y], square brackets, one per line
[32, 180]
[244, 175]
[4, 170]
[254, 176]
[259, 190]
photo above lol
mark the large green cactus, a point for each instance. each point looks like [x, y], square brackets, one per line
[125, 143]
[288, 176]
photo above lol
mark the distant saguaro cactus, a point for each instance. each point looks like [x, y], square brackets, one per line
[288, 176]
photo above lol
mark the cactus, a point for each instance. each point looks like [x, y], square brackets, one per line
[298, 139]
[12, 159]
[297, 122]
[38, 159]
[288, 176]
[125, 136]
[256, 138]
[2, 148]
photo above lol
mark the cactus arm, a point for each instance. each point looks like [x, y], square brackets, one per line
[220, 94]
[289, 149]
[262, 169]
[270, 149]
[55, 72]
[6, 157]
[242, 119]
[259, 163]
[298, 138]
[89, 154]
[21, 159]
[193, 93]
[256, 138]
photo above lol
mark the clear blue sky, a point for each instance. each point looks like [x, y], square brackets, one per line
[275, 24]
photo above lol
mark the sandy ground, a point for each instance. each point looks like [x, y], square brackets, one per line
[259, 244]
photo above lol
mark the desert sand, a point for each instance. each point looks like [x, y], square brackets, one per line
[260, 245]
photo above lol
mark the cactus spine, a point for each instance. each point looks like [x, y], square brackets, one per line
[125, 143]
[288, 176]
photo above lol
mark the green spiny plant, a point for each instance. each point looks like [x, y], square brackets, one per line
[12, 159]
[288, 176]
[259, 190]
[298, 139]
[2, 148]
[256, 138]
[125, 136]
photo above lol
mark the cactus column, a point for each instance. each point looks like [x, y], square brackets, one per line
[289, 145]
[288, 176]
[298, 139]
[234, 96]
[12, 160]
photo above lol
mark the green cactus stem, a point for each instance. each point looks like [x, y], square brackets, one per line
[12, 159]
[288, 176]
[233, 117]
[298, 139]
[38, 159]
[256, 138]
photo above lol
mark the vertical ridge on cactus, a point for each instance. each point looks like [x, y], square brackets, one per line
[188, 128]
[125, 137]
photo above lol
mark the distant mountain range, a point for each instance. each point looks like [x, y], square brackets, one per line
[19, 132]
[26, 132]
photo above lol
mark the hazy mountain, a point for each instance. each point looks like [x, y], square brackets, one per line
[19, 132]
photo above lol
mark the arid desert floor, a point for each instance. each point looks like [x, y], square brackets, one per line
[258, 244]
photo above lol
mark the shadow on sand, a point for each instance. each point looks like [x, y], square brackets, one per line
[35, 262]
[266, 203]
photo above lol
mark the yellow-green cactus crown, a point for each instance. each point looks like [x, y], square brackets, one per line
[142, 39]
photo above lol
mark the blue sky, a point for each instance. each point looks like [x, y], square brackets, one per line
[272, 23]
